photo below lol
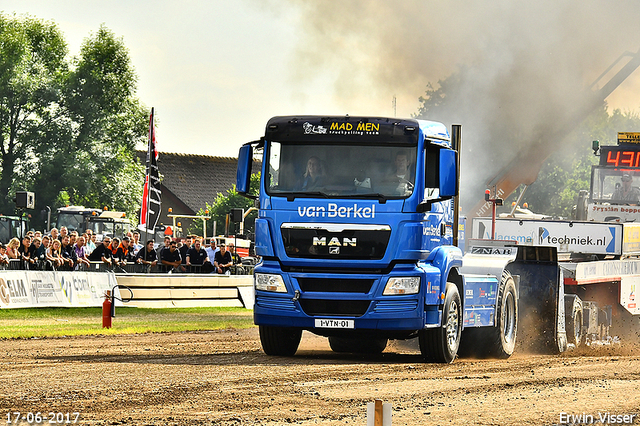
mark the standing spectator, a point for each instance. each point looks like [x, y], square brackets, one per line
[63, 231]
[147, 255]
[223, 261]
[102, 252]
[4, 259]
[185, 248]
[236, 259]
[54, 258]
[41, 253]
[81, 255]
[117, 255]
[171, 256]
[136, 242]
[91, 242]
[54, 234]
[66, 250]
[166, 244]
[24, 252]
[196, 255]
[127, 250]
[33, 252]
[12, 248]
[212, 249]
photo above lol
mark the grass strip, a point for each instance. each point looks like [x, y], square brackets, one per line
[52, 322]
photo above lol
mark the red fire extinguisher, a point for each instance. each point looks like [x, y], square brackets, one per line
[106, 310]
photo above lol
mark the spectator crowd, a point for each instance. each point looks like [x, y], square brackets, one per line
[68, 251]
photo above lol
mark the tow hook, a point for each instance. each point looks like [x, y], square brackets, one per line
[296, 295]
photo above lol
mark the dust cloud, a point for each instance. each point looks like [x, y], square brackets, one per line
[516, 71]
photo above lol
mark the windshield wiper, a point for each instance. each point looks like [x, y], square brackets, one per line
[292, 195]
[381, 197]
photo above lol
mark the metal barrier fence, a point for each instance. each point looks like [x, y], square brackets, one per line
[246, 268]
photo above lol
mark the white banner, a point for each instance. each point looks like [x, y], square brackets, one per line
[567, 236]
[30, 289]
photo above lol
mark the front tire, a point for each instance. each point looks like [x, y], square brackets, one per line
[574, 319]
[279, 341]
[441, 344]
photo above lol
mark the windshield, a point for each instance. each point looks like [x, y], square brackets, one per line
[615, 186]
[73, 221]
[341, 170]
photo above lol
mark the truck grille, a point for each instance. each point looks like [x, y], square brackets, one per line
[347, 308]
[335, 285]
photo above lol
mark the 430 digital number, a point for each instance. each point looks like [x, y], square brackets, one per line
[17, 417]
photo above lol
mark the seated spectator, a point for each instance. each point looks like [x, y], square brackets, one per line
[53, 255]
[81, 255]
[196, 255]
[102, 253]
[167, 242]
[12, 248]
[171, 257]
[147, 255]
[223, 261]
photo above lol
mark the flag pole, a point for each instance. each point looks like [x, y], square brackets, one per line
[148, 177]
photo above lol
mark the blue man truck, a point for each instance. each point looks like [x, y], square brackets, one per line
[357, 234]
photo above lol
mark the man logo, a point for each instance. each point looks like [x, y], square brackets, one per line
[334, 250]
[335, 241]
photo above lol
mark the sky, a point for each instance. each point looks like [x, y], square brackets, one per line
[215, 71]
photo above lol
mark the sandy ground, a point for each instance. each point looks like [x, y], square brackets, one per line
[223, 378]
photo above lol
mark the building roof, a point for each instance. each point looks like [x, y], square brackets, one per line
[195, 179]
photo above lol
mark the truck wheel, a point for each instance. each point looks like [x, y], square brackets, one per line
[279, 340]
[357, 345]
[574, 315]
[501, 338]
[441, 344]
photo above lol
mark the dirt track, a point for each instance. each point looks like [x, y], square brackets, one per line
[223, 378]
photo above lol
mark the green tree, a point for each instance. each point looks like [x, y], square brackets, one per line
[32, 69]
[223, 204]
[68, 127]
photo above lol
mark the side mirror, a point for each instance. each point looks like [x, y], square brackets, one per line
[448, 179]
[243, 175]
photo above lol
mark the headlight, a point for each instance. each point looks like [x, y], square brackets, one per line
[402, 285]
[270, 282]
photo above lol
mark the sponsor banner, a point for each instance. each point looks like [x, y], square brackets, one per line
[30, 289]
[606, 269]
[605, 213]
[566, 236]
[629, 287]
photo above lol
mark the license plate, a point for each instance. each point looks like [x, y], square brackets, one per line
[334, 323]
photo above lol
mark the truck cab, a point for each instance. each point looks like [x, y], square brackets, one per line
[356, 231]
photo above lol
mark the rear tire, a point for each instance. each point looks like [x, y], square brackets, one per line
[441, 344]
[357, 345]
[501, 338]
[574, 322]
[279, 341]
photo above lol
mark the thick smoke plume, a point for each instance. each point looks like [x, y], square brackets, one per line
[523, 66]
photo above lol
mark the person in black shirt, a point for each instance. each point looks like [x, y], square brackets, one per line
[185, 248]
[171, 257]
[147, 255]
[67, 251]
[196, 255]
[102, 252]
[223, 261]
[24, 252]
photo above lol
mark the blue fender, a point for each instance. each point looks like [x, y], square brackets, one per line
[445, 258]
